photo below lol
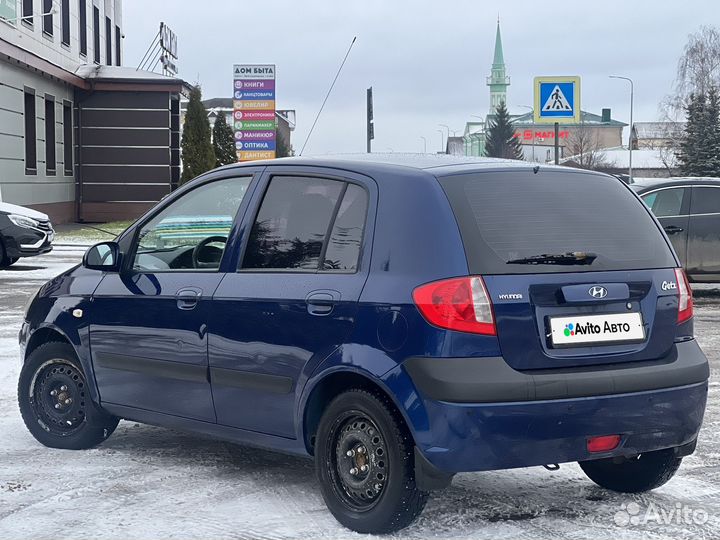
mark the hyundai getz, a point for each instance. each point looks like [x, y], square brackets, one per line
[401, 319]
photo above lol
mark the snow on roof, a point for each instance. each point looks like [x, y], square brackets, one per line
[586, 118]
[619, 157]
[657, 130]
[119, 73]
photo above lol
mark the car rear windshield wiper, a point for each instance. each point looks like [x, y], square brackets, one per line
[572, 257]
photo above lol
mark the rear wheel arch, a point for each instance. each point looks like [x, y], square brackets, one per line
[332, 385]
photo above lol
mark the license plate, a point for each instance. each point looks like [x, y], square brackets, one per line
[590, 329]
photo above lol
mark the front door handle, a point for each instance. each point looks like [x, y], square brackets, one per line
[673, 229]
[188, 298]
[321, 303]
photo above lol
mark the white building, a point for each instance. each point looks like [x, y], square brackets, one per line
[64, 107]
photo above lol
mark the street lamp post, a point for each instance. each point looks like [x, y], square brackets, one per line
[632, 93]
[448, 131]
[440, 131]
[424, 144]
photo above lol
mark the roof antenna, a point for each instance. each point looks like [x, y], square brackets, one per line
[327, 96]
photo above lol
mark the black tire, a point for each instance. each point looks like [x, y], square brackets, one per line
[384, 498]
[648, 471]
[55, 403]
[4, 259]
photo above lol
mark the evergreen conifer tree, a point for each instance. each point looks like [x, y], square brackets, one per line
[223, 141]
[197, 151]
[501, 142]
[711, 154]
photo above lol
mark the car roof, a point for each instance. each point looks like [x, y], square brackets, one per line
[647, 184]
[436, 164]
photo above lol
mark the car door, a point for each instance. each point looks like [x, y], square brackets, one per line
[704, 235]
[670, 205]
[293, 299]
[148, 335]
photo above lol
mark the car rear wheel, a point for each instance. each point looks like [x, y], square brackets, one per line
[55, 402]
[365, 465]
[643, 473]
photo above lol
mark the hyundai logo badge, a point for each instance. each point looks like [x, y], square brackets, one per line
[597, 292]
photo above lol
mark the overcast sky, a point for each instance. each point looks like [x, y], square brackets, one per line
[426, 61]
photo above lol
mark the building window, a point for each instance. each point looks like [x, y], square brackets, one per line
[82, 15]
[96, 34]
[67, 138]
[30, 134]
[50, 161]
[118, 38]
[47, 17]
[65, 7]
[108, 41]
[27, 12]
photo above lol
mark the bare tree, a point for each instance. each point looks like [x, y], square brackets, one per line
[698, 69]
[584, 146]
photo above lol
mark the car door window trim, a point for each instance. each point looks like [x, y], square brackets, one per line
[126, 264]
[319, 270]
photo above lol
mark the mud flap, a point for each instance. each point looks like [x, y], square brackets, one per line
[427, 476]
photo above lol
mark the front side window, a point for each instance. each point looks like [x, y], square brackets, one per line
[307, 224]
[191, 233]
[666, 202]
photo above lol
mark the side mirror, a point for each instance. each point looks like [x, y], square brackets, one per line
[104, 256]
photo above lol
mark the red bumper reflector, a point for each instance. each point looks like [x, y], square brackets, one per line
[603, 444]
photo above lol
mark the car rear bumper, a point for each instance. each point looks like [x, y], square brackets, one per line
[548, 418]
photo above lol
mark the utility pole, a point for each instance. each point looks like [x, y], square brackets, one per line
[557, 143]
[370, 125]
[632, 92]
[424, 144]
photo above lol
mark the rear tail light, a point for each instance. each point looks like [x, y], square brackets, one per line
[604, 443]
[461, 304]
[685, 300]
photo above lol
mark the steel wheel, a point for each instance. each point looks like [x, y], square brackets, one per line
[57, 397]
[360, 468]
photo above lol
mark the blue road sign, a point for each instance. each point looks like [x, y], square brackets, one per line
[557, 99]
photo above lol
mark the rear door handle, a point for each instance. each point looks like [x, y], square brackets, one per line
[322, 302]
[188, 297]
[673, 229]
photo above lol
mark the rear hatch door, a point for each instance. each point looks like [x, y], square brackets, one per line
[578, 270]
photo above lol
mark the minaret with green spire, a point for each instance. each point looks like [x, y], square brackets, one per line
[498, 81]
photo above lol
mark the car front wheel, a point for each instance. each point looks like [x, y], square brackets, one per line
[55, 402]
[643, 473]
[365, 465]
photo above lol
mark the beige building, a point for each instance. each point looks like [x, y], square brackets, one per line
[594, 132]
[655, 134]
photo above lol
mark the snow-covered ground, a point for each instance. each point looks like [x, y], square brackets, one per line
[149, 482]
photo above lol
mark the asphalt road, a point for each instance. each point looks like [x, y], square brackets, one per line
[149, 482]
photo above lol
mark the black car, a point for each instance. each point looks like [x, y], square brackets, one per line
[689, 211]
[23, 233]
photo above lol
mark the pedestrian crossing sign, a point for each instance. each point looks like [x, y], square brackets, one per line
[557, 99]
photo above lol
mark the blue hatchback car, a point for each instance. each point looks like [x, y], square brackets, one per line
[400, 318]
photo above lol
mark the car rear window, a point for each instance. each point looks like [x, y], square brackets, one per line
[511, 215]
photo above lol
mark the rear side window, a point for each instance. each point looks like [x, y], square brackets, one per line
[307, 224]
[508, 216]
[665, 202]
[705, 200]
